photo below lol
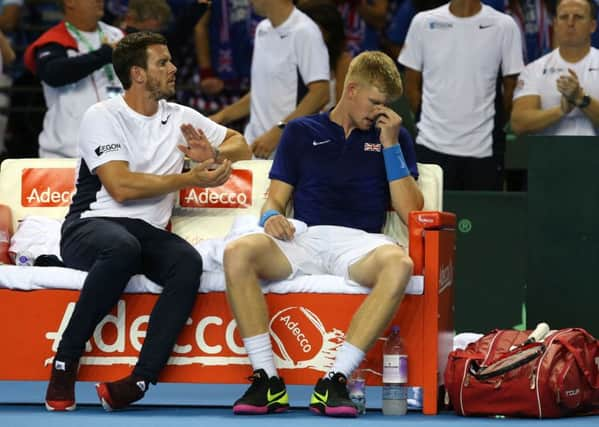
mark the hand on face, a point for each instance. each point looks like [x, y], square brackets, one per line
[198, 147]
[389, 122]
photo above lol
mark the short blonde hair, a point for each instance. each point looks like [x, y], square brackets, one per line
[376, 69]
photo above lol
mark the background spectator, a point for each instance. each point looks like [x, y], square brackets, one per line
[455, 129]
[10, 14]
[289, 79]
[397, 30]
[330, 22]
[558, 94]
[224, 40]
[146, 15]
[535, 22]
[363, 20]
[74, 62]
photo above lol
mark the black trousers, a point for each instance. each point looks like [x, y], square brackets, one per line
[463, 173]
[112, 250]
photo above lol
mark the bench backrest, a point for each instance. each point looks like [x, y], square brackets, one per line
[45, 186]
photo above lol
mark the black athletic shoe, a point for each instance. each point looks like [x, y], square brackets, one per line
[60, 394]
[330, 397]
[265, 396]
[120, 394]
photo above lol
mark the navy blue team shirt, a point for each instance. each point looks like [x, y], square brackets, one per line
[337, 181]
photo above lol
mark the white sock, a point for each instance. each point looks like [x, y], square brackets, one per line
[260, 353]
[348, 358]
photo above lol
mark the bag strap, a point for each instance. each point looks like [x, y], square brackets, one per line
[510, 361]
[576, 352]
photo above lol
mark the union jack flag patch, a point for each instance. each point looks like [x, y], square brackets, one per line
[372, 147]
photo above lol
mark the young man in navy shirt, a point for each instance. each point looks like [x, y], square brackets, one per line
[342, 169]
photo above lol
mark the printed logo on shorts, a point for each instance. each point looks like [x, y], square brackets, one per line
[101, 149]
[47, 187]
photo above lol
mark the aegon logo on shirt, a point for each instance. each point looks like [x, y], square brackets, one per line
[235, 193]
[47, 187]
[107, 148]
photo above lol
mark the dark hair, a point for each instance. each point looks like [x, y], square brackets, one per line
[133, 50]
[326, 15]
[143, 10]
[592, 6]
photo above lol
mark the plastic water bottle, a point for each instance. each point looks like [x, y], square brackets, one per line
[395, 375]
[357, 390]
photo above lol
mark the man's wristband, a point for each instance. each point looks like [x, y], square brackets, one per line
[395, 164]
[266, 215]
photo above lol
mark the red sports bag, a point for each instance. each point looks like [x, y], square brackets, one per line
[553, 378]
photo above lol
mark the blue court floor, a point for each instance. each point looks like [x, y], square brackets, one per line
[209, 405]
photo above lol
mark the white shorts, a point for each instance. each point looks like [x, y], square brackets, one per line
[329, 249]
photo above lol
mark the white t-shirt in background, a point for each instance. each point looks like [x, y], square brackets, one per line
[285, 59]
[460, 60]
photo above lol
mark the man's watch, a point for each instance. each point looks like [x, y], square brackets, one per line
[585, 102]
[281, 125]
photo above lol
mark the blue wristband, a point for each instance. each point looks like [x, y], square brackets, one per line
[266, 215]
[395, 164]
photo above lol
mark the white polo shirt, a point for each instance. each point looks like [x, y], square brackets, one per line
[539, 79]
[285, 60]
[460, 60]
[111, 130]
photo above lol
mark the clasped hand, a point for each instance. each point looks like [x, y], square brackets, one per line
[206, 173]
[203, 175]
[569, 87]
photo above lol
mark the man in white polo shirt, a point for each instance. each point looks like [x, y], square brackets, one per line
[558, 94]
[453, 55]
[132, 148]
[289, 76]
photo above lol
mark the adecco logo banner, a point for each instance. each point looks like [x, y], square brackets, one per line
[208, 349]
[235, 193]
[47, 187]
[210, 339]
[301, 339]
